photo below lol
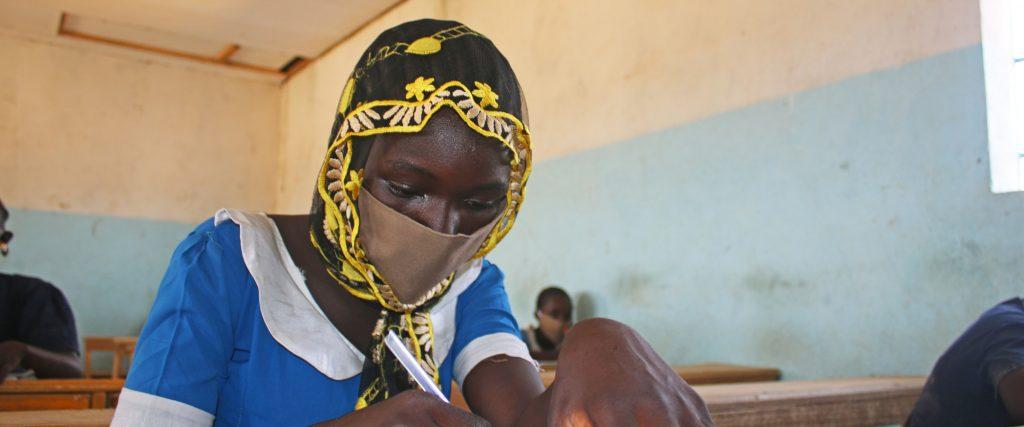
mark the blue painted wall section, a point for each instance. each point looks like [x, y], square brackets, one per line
[846, 230]
[109, 268]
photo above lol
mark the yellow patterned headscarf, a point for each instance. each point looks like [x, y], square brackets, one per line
[409, 73]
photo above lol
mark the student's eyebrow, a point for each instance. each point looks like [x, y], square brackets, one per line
[491, 186]
[404, 166]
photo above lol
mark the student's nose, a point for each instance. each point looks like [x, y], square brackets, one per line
[442, 217]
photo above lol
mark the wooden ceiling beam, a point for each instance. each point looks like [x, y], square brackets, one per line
[225, 54]
[344, 39]
[222, 59]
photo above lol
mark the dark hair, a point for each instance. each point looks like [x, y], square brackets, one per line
[3, 215]
[551, 292]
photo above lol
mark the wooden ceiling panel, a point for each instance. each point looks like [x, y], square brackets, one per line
[269, 33]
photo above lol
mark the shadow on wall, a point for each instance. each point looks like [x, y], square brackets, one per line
[586, 306]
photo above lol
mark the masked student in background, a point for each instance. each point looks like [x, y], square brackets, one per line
[279, 320]
[554, 317]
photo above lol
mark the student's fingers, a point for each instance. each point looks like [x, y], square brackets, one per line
[5, 369]
[575, 417]
[419, 403]
[681, 407]
[567, 410]
[447, 415]
[411, 407]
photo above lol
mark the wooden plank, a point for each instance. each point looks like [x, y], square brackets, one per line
[838, 403]
[849, 402]
[33, 402]
[225, 54]
[708, 373]
[158, 50]
[61, 386]
[25, 395]
[98, 400]
[79, 418]
[343, 39]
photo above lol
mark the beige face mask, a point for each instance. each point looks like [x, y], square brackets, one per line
[411, 257]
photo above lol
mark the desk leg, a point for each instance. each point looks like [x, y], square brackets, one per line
[115, 371]
[98, 400]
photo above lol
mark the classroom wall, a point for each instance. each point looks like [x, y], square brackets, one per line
[800, 183]
[641, 65]
[840, 231]
[110, 157]
[797, 183]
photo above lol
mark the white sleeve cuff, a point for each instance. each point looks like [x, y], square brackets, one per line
[143, 409]
[476, 351]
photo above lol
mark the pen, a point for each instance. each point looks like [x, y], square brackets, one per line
[409, 363]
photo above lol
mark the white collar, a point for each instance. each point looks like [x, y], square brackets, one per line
[292, 315]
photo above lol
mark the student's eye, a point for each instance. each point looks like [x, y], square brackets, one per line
[478, 205]
[402, 191]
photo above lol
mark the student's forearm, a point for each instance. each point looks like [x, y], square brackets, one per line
[536, 412]
[49, 364]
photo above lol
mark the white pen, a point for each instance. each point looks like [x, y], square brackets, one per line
[410, 364]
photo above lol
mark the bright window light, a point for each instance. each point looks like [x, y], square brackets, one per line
[1002, 29]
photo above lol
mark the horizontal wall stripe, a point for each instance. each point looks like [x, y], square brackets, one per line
[597, 73]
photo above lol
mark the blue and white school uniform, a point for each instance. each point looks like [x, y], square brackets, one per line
[235, 338]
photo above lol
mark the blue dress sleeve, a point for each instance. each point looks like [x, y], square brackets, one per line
[184, 349]
[484, 325]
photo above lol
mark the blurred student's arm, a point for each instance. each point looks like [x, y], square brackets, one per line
[1011, 392]
[46, 364]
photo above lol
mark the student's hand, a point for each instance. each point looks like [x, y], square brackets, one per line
[409, 408]
[11, 354]
[608, 375]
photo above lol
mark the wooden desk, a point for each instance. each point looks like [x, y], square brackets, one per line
[30, 395]
[72, 418]
[837, 403]
[849, 402]
[708, 373]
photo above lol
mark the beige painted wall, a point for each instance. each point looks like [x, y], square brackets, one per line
[154, 138]
[89, 129]
[597, 72]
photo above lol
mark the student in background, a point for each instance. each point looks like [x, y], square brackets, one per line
[979, 381]
[37, 329]
[554, 317]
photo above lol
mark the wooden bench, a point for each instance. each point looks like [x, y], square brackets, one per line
[30, 395]
[838, 403]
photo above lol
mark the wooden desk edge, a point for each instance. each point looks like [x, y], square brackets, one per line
[61, 385]
[783, 391]
[60, 417]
